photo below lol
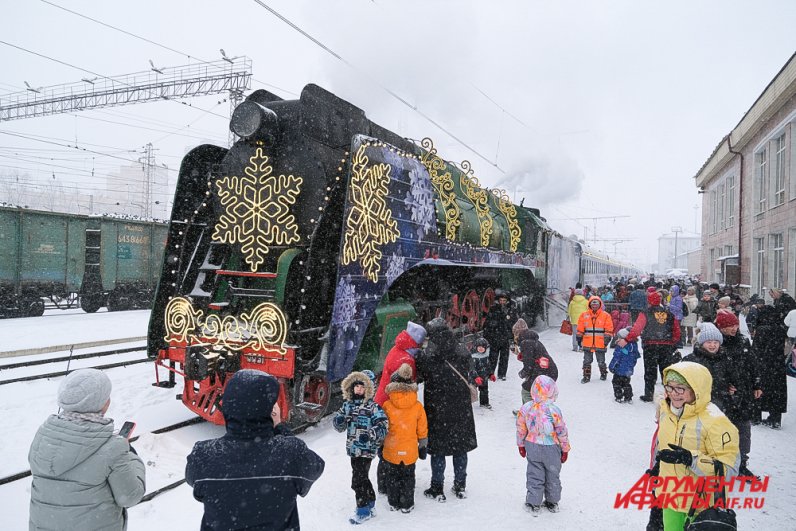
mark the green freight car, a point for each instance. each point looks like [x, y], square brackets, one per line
[71, 259]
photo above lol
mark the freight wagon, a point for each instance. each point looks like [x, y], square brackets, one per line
[72, 259]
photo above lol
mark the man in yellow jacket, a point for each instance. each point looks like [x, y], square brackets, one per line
[595, 328]
[692, 434]
[577, 305]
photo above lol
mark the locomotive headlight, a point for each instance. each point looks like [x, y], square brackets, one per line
[252, 119]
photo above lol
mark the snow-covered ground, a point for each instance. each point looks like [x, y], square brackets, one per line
[610, 451]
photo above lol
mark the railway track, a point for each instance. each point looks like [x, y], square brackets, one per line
[61, 359]
[173, 427]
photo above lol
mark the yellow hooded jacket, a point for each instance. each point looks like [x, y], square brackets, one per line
[701, 428]
[576, 307]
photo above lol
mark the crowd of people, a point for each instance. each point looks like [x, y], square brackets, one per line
[86, 475]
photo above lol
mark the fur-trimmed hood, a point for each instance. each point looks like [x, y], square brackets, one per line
[347, 385]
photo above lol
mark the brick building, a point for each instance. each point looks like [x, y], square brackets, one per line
[749, 195]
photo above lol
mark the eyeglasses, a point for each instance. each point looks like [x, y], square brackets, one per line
[675, 390]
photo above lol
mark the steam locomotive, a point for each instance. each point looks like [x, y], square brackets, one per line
[305, 248]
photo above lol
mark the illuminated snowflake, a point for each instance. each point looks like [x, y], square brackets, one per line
[345, 303]
[420, 201]
[257, 210]
[395, 267]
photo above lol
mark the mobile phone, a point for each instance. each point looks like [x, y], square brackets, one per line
[127, 429]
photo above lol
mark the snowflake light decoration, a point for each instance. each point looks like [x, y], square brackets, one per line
[395, 267]
[370, 223]
[257, 209]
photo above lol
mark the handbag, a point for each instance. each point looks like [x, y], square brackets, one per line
[566, 327]
[473, 389]
[790, 363]
[713, 518]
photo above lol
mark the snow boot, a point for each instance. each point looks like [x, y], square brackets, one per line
[458, 490]
[535, 510]
[486, 406]
[372, 507]
[586, 375]
[407, 510]
[646, 398]
[362, 515]
[603, 372]
[552, 507]
[747, 474]
[435, 493]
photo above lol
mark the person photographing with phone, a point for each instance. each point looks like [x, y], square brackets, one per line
[84, 475]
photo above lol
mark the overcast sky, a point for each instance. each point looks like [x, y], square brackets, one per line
[584, 108]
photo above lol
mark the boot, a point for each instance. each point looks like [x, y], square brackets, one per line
[458, 490]
[586, 374]
[603, 372]
[435, 493]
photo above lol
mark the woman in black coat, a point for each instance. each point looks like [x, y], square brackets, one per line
[769, 346]
[451, 427]
[535, 362]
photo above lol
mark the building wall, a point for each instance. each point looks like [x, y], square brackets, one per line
[686, 242]
[773, 226]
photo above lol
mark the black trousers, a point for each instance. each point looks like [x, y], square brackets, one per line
[622, 388]
[656, 358]
[381, 474]
[400, 485]
[502, 359]
[483, 393]
[360, 481]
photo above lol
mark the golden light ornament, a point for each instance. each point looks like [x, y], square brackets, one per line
[443, 184]
[370, 223]
[257, 209]
[264, 327]
[479, 199]
[509, 211]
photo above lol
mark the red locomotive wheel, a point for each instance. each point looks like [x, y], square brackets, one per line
[314, 394]
[454, 316]
[471, 311]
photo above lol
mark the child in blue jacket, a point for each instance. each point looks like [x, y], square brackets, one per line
[366, 427]
[621, 366]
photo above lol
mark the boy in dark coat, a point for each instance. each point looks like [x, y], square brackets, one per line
[708, 352]
[745, 390]
[622, 364]
[451, 427]
[365, 424]
[249, 478]
[482, 371]
[535, 362]
[497, 330]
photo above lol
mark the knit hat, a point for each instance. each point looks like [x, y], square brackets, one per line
[623, 332]
[654, 298]
[715, 286]
[84, 391]
[578, 292]
[403, 374]
[416, 332]
[726, 320]
[725, 300]
[675, 377]
[369, 374]
[709, 332]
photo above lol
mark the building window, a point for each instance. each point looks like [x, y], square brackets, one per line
[760, 264]
[761, 178]
[728, 250]
[730, 200]
[779, 170]
[714, 196]
[776, 242]
[711, 265]
[722, 213]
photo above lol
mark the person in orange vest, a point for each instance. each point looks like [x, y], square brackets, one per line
[595, 329]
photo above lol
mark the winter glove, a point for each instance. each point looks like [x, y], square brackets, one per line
[522, 451]
[492, 378]
[479, 381]
[676, 456]
[519, 356]
[422, 452]
[564, 456]
[655, 470]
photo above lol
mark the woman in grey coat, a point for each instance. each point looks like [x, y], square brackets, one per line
[84, 476]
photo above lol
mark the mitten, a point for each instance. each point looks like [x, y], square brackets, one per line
[519, 356]
[676, 456]
[492, 377]
[422, 452]
[522, 451]
[479, 381]
[655, 470]
[564, 456]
